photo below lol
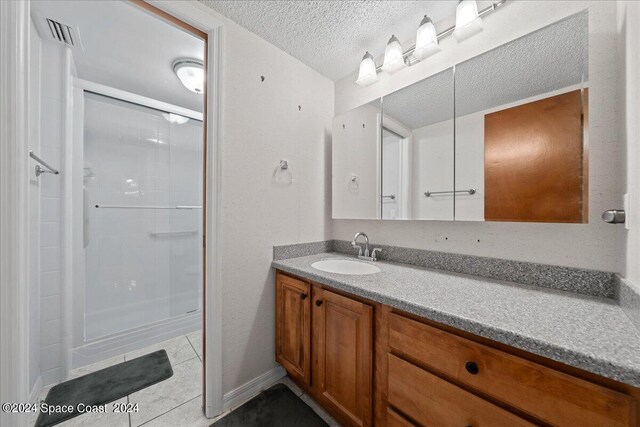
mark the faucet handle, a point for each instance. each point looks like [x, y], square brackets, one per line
[353, 245]
[373, 253]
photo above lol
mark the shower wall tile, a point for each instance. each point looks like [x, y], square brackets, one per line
[50, 282]
[51, 150]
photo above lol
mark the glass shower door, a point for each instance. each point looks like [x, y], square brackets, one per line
[143, 216]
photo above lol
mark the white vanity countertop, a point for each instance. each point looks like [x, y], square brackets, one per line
[586, 332]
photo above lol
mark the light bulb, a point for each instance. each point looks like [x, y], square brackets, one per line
[367, 74]
[426, 39]
[468, 23]
[393, 58]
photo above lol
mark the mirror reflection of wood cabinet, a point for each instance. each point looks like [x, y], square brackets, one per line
[339, 332]
[534, 167]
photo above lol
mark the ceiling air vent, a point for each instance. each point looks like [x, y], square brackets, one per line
[61, 32]
[54, 30]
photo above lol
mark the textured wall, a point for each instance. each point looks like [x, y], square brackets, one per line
[595, 245]
[263, 206]
[629, 50]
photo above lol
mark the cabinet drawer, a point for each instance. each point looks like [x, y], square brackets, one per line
[432, 401]
[545, 393]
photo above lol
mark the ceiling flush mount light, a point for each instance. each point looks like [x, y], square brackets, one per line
[368, 73]
[468, 21]
[393, 56]
[175, 118]
[190, 71]
[426, 39]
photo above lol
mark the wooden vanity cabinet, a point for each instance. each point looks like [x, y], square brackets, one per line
[427, 374]
[325, 342]
[343, 355]
[293, 327]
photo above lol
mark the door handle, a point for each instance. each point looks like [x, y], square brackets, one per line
[318, 302]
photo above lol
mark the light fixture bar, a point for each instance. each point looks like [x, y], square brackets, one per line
[410, 60]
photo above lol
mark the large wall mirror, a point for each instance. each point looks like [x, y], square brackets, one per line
[500, 137]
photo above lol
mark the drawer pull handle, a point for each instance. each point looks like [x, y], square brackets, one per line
[472, 368]
[303, 296]
[318, 302]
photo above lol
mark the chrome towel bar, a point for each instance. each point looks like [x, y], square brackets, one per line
[172, 233]
[469, 191]
[40, 170]
[146, 207]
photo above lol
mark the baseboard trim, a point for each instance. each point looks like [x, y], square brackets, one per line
[35, 390]
[252, 388]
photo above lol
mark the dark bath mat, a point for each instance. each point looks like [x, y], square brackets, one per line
[106, 385]
[274, 407]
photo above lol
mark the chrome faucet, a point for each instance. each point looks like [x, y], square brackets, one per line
[366, 255]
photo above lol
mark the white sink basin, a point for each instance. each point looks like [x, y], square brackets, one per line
[345, 266]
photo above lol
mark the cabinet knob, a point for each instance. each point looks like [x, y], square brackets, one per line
[318, 302]
[472, 368]
[303, 296]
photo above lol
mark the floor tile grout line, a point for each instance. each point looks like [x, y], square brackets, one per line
[193, 347]
[172, 409]
[183, 361]
[128, 413]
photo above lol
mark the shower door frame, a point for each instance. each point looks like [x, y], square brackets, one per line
[82, 350]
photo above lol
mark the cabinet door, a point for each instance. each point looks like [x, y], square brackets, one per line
[343, 356]
[293, 327]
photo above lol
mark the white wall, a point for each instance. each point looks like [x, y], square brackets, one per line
[263, 206]
[433, 171]
[50, 214]
[595, 245]
[355, 154]
[629, 22]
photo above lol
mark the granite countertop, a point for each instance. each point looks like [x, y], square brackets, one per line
[586, 332]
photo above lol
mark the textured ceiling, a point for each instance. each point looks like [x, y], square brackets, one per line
[549, 59]
[331, 36]
[128, 48]
[425, 102]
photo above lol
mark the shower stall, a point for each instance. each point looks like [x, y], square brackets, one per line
[140, 195]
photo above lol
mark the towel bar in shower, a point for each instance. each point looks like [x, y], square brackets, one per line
[39, 169]
[172, 233]
[146, 207]
[469, 191]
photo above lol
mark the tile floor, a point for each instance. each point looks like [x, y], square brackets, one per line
[175, 402]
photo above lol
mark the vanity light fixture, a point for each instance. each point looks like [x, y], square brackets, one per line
[393, 56]
[190, 71]
[468, 23]
[367, 74]
[426, 39]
